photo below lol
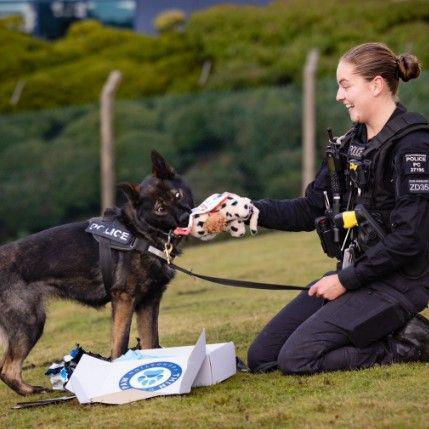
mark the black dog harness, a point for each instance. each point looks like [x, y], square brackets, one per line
[113, 234]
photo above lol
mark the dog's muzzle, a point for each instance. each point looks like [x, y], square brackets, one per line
[184, 219]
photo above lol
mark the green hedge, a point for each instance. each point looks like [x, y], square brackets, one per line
[268, 45]
[248, 47]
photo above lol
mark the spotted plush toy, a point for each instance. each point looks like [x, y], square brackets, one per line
[221, 212]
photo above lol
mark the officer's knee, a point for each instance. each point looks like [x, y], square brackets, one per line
[291, 360]
[288, 363]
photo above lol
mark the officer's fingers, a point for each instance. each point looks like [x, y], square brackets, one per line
[313, 290]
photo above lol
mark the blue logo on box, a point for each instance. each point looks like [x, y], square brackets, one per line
[151, 376]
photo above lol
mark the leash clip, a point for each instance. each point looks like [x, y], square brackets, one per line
[168, 248]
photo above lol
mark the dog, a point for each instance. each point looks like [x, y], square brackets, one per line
[63, 262]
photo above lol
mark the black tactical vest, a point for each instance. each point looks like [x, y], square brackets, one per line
[369, 169]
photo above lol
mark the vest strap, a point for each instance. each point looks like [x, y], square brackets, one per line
[398, 127]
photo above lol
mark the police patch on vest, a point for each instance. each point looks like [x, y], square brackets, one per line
[355, 151]
[418, 186]
[114, 231]
[416, 163]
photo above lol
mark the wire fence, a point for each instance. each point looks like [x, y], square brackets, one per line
[248, 142]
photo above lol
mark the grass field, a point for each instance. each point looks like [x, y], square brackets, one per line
[381, 397]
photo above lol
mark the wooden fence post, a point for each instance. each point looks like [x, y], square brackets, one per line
[309, 119]
[107, 152]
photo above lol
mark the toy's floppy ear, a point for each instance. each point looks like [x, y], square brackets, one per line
[160, 168]
[131, 191]
[253, 220]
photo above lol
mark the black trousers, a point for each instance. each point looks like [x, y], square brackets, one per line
[311, 335]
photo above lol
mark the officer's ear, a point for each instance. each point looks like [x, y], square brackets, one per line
[131, 191]
[378, 85]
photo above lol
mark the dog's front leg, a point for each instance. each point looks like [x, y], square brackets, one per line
[147, 323]
[122, 314]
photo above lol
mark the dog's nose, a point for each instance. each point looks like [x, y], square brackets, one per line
[184, 219]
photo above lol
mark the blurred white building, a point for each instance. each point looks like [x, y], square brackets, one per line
[51, 18]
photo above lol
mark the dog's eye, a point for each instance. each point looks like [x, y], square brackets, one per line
[178, 194]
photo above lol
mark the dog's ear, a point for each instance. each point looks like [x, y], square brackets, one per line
[160, 168]
[131, 191]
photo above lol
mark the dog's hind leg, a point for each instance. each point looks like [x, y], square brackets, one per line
[122, 314]
[21, 338]
[147, 323]
[11, 372]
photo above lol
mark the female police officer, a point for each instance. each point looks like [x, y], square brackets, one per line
[346, 318]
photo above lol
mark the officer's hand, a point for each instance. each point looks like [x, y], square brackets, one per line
[328, 287]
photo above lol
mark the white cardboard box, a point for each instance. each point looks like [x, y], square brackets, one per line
[167, 371]
[218, 365]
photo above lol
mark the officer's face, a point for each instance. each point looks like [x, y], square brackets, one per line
[354, 92]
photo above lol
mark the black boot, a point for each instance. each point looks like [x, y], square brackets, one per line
[411, 343]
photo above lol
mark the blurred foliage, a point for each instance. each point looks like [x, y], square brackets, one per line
[12, 22]
[73, 70]
[248, 46]
[248, 142]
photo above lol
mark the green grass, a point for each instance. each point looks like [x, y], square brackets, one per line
[381, 397]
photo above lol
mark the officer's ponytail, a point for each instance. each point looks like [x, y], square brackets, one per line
[376, 59]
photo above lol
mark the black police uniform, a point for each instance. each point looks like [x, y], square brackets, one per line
[386, 285]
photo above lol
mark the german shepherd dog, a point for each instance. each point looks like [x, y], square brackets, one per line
[64, 262]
